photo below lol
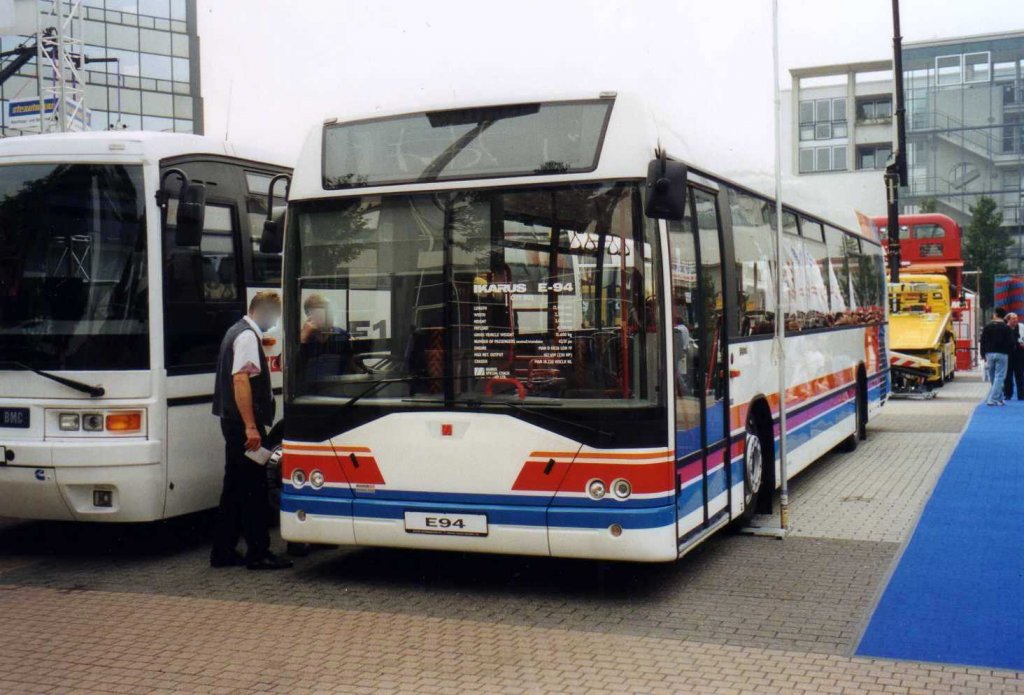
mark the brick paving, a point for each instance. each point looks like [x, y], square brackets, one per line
[877, 493]
[87, 609]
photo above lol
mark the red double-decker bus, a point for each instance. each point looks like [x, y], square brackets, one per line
[933, 244]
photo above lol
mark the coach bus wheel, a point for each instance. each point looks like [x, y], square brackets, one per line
[753, 469]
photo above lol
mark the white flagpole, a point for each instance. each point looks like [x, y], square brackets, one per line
[780, 315]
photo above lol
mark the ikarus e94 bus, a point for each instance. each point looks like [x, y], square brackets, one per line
[493, 345]
[113, 302]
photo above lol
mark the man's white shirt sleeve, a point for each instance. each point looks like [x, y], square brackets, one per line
[247, 354]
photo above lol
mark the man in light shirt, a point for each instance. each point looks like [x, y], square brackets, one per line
[243, 399]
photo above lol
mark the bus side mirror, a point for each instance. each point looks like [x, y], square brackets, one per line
[666, 189]
[191, 215]
[272, 240]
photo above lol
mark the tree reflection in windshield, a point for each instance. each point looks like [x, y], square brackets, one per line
[539, 294]
[73, 266]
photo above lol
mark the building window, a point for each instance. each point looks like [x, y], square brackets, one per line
[947, 70]
[806, 160]
[839, 158]
[839, 109]
[819, 159]
[873, 156]
[823, 110]
[823, 119]
[977, 67]
[823, 159]
[806, 112]
[874, 108]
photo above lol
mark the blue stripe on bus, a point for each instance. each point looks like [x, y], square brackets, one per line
[500, 514]
[540, 501]
[691, 498]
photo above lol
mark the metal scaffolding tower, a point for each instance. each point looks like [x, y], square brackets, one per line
[60, 52]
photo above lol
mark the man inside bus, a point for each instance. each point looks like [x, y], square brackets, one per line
[324, 349]
[243, 399]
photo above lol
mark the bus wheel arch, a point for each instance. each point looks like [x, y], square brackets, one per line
[758, 459]
[860, 432]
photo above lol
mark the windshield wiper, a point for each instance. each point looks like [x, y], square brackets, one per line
[81, 386]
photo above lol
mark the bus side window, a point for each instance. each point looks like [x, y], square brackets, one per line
[754, 247]
[266, 267]
[202, 290]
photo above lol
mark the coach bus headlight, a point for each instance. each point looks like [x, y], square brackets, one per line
[69, 422]
[298, 477]
[621, 488]
[316, 479]
[596, 489]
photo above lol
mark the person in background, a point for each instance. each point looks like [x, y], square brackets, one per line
[997, 341]
[243, 399]
[1015, 368]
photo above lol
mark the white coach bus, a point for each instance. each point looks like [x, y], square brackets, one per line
[112, 307]
[532, 328]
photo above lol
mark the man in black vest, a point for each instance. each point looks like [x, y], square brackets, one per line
[243, 399]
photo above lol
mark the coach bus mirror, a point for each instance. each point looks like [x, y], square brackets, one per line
[191, 215]
[666, 189]
[272, 240]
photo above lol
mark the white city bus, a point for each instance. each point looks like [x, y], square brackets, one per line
[112, 307]
[510, 356]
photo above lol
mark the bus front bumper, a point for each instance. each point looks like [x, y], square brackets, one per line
[99, 480]
[646, 534]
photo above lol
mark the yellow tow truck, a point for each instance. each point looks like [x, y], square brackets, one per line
[921, 331]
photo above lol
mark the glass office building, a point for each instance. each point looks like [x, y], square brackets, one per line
[154, 83]
[965, 127]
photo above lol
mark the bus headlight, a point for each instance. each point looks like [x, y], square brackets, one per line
[298, 477]
[621, 488]
[69, 422]
[596, 489]
[92, 422]
[316, 479]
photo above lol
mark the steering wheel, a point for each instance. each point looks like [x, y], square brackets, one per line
[378, 362]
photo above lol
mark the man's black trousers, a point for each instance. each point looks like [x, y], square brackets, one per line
[244, 508]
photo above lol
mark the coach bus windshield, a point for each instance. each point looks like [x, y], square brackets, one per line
[73, 267]
[539, 295]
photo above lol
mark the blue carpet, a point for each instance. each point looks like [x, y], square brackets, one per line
[957, 594]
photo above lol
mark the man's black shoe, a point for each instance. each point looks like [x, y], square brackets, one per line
[269, 562]
[233, 560]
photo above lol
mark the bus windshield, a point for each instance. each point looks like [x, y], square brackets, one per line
[73, 267]
[543, 295]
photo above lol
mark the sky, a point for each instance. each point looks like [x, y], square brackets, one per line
[272, 70]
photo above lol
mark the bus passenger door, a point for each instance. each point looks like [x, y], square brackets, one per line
[686, 377]
[714, 374]
[700, 384]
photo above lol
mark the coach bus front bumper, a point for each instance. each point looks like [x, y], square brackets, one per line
[613, 532]
[93, 480]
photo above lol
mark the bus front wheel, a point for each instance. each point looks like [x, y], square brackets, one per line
[753, 469]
